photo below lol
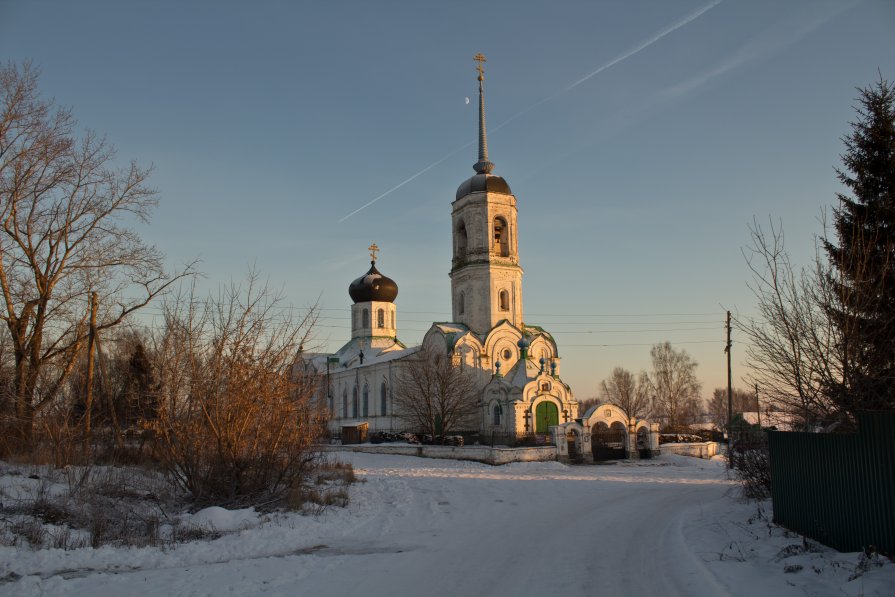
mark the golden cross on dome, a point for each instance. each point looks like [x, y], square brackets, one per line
[480, 58]
[373, 250]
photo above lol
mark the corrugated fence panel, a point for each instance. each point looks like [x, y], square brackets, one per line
[835, 488]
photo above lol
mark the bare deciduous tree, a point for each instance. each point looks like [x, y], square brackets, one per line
[793, 347]
[237, 422]
[674, 383]
[435, 395]
[632, 393]
[65, 215]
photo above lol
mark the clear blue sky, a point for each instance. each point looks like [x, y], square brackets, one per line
[269, 122]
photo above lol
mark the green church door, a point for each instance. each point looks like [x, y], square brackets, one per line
[546, 414]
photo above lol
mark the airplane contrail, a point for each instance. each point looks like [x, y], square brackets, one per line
[639, 48]
[406, 180]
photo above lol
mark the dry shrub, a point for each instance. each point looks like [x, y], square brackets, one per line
[237, 424]
[753, 469]
[330, 488]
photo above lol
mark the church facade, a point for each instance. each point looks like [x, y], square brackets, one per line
[516, 364]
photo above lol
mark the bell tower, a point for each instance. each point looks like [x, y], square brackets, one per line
[486, 279]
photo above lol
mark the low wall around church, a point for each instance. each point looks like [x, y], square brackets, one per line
[696, 449]
[485, 454]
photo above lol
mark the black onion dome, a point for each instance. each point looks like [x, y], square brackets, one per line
[373, 286]
[484, 183]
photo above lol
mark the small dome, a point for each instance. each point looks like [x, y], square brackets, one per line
[484, 183]
[373, 286]
[523, 343]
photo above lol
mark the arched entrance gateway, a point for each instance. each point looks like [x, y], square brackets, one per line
[614, 435]
[573, 443]
[609, 441]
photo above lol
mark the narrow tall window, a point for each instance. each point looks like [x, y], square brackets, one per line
[504, 300]
[461, 303]
[345, 402]
[354, 403]
[461, 241]
[366, 402]
[365, 319]
[380, 318]
[496, 414]
[383, 399]
[501, 237]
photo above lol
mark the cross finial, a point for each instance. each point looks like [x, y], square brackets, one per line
[480, 58]
[373, 250]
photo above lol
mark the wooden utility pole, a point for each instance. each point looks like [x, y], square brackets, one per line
[729, 399]
[91, 343]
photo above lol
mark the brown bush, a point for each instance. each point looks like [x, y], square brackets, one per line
[236, 424]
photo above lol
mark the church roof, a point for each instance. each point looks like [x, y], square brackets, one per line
[373, 286]
[523, 372]
[483, 183]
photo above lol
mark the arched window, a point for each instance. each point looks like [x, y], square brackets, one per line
[501, 237]
[354, 403]
[504, 300]
[383, 399]
[461, 240]
[380, 318]
[366, 402]
[365, 319]
[496, 414]
[461, 303]
[345, 402]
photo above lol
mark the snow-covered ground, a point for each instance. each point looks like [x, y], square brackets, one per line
[670, 526]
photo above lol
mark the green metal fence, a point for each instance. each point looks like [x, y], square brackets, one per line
[838, 489]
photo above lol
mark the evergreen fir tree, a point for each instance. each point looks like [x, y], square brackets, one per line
[863, 259]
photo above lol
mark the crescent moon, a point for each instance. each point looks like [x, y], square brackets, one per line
[467, 100]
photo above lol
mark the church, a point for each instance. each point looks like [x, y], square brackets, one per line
[516, 364]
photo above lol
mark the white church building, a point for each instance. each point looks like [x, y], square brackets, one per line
[517, 364]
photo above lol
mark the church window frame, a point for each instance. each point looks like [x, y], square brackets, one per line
[501, 236]
[507, 354]
[383, 399]
[354, 403]
[461, 303]
[496, 415]
[365, 404]
[503, 301]
[345, 402]
[380, 318]
[365, 318]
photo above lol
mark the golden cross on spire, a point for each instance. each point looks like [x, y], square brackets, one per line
[480, 58]
[373, 250]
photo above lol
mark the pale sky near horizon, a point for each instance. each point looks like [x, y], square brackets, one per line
[640, 138]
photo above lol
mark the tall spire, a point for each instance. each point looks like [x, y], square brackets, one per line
[483, 166]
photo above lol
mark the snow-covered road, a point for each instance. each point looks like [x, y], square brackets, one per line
[440, 527]
[531, 529]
